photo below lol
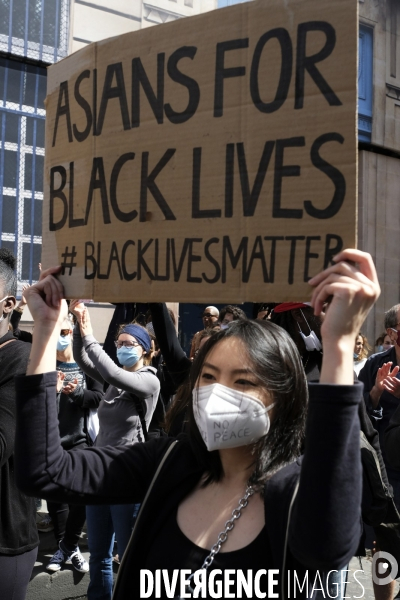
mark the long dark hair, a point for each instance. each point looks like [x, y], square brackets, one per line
[277, 364]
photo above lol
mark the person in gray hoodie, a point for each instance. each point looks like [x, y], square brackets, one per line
[124, 413]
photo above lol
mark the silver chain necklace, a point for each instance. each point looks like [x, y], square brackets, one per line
[222, 537]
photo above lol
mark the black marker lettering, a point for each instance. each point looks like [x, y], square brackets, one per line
[80, 136]
[139, 78]
[222, 73]
[333, 173]
[184, 80]
[307, 63]
[285, 77]
[63, 109]
[58, 193]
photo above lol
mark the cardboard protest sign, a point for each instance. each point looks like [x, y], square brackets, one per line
[209, 159]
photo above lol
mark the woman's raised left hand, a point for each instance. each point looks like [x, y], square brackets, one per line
[350, 287]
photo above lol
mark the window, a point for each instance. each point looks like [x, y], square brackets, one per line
[365, 46]
[36, 29]
[22, 116]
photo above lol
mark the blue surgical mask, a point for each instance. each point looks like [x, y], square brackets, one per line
[380, 348]
[355, 356]
[63, 342]
[128, 356]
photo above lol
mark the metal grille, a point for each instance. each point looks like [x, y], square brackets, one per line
[22, 119]
[35, 29]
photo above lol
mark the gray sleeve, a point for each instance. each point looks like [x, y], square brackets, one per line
[141, 383]
[82, 359]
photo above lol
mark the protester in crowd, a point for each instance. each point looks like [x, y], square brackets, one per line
[44, 523]
[361, 351]
[178, 363]
[124, 415]
[167, 385]
[264, 311]
[382, 388]
[383, 342]
[294, 525]
[230, 313]
[304, 327]
[78, 394]
[292, 317]
[18, 534]
[24, 336]
[381, 396]
[210, 318]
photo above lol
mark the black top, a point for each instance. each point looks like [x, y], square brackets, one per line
[178, 363]
[184, 554]
[392, 440]
[18, 532]
[387, 405]
[325, 525]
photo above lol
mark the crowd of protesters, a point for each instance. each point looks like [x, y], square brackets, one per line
[261, 421]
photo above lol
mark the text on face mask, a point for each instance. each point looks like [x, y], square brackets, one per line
[226, 435]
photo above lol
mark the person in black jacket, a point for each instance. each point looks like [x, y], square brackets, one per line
[294, 514]
[18, 533]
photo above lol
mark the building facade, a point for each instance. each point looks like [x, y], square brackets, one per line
[379, 150]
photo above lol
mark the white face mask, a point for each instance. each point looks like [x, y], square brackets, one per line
[311, 341]
[2, 316]
[227, 418]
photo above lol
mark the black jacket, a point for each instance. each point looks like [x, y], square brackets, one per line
[325, 525]
[18, 532]
[392, 440]
[178, 363]
[381, 415]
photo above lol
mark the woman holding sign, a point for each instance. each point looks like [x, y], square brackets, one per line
[232, 507]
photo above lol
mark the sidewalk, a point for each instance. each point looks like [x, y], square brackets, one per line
[67, 583]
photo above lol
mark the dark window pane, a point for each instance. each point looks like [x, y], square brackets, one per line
[30, 123]
[50, 9]
[34, 20]
[3, 72]
[36, 256]
[39, 161]
[4, 16]
[37, 217]
[9, 214]
[18, 18]
[10, 169]
[42, 88]
[9, 246]
[30, 86]
[12, 122]
[13, 84]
